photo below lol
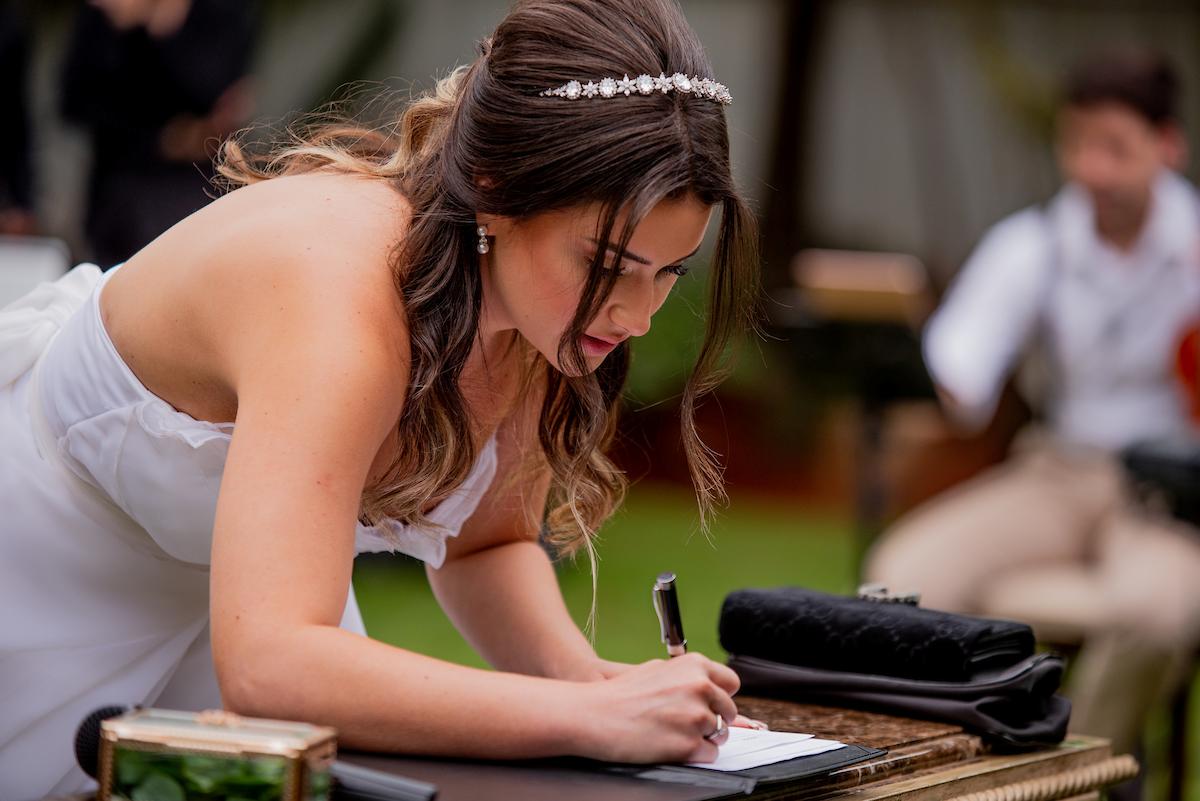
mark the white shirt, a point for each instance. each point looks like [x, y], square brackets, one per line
[1109, 322]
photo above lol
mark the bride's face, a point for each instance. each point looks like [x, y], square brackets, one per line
[537, 267]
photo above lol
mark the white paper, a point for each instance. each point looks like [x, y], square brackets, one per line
[749, 748]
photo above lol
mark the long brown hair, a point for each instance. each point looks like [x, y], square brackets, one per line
[537, 154]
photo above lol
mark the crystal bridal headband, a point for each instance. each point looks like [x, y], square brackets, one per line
[644, 85]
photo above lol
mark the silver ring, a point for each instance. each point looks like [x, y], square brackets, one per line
[719, 731]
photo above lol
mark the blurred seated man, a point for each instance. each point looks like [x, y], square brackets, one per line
[1104, 279]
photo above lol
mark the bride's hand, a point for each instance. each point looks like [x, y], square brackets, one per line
[659, 711]
[609, 670]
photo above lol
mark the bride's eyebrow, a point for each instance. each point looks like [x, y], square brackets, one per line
[634, 257]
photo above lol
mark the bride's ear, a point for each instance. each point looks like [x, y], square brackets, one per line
[485, 184]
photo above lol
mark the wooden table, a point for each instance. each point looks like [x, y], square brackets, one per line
[937, 761]
[925, 762]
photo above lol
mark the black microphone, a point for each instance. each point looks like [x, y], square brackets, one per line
[87, 738]
[348, 782]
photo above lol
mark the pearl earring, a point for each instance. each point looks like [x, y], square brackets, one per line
[483, 246]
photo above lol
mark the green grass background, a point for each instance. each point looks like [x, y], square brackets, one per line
[755, 543]
[759, 544]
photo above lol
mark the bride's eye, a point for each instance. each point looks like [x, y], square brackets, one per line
[623, 269]
[678, 269]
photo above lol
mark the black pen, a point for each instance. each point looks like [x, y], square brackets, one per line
[666, 604]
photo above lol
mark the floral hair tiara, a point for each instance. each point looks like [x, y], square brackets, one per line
[644, 85]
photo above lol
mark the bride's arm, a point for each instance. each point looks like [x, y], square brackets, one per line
[505, 600]
[498, 585]
[315, 398]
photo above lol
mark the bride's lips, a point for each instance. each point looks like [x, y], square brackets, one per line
[594, 346]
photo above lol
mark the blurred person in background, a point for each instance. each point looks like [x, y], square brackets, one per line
[1104, 280]
[16, 173]
[157, 84]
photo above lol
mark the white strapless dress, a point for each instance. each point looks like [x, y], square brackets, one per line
[107, 499]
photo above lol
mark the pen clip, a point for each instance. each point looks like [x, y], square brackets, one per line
[660, 610]
[666, 606]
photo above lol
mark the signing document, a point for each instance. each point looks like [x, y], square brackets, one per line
[750, 748]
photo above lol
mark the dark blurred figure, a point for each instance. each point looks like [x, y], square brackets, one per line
[1104, 280]
[157, 83]
[16, 173]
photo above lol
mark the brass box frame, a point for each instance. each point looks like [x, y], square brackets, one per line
[307, 749]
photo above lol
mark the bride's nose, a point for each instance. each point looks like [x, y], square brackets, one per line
[631, 309]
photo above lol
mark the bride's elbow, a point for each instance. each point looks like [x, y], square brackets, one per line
[246, 689]
[249, 678]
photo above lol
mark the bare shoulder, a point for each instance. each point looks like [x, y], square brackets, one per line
[322, 242]
[280, 267]
[325, 231]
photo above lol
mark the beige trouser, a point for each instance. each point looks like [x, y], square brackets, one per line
[1053, 538]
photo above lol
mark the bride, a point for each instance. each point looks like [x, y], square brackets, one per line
[410, 339]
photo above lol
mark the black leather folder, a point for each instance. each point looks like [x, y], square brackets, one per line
[587, 780]
[746, 781]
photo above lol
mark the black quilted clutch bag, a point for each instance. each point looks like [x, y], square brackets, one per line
[813, 629]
